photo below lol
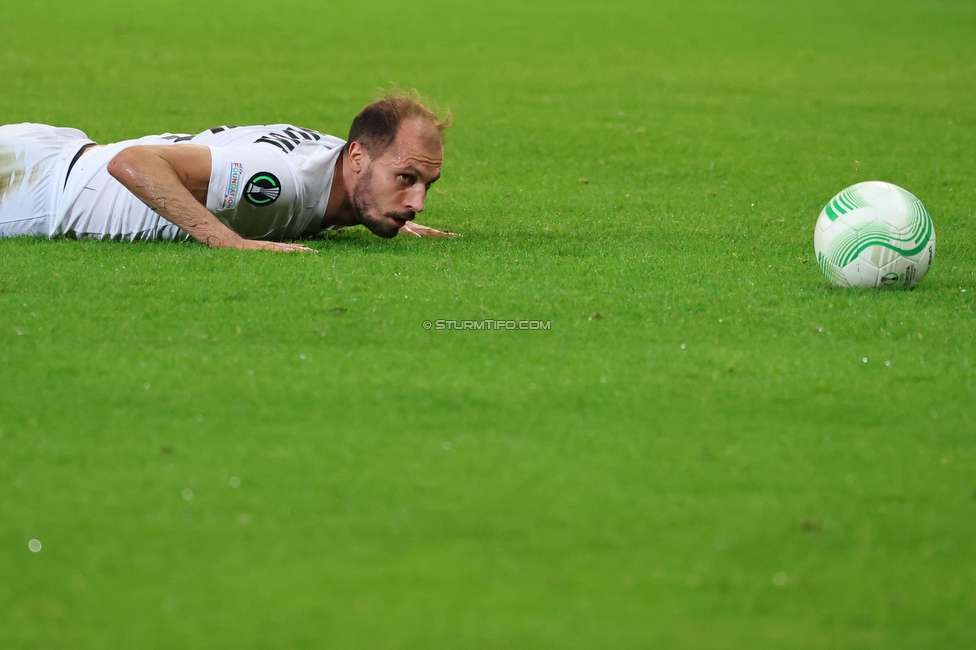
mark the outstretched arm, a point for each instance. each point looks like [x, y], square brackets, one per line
[173, 181]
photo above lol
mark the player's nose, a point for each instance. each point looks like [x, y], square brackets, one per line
[415, 202]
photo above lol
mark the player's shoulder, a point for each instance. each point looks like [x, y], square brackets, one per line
[281, 137]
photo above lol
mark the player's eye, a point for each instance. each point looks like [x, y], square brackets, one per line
[406, 179]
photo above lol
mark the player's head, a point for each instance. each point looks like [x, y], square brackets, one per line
[395, 149]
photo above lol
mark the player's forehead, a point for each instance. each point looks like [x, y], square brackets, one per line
[417, 144]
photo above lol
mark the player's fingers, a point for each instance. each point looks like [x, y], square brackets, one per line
[279, 247]
[292, 248]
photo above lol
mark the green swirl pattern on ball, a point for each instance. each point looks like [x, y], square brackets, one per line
[832, 271]
[842, 250]
[845, 202]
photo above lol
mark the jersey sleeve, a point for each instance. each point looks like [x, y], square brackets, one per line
[255, 192]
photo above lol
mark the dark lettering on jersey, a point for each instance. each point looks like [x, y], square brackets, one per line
[219, 129]
[178, 137]
[289, 138]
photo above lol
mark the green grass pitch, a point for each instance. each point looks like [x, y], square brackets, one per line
[735, 455]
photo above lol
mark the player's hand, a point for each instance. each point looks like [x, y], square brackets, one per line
[282, 247]
[415, 229]
[276, 246]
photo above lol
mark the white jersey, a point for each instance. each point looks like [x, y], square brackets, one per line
[266, 182]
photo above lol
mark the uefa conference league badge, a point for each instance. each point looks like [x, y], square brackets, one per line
[263, 189]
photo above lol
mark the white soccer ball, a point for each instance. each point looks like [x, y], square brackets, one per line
[875, 235]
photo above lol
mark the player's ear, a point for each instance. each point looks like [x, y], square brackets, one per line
[358, 157]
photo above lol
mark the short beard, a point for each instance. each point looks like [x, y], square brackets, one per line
[363, 204]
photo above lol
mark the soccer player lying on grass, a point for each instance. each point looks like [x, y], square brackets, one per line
[230, 187]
